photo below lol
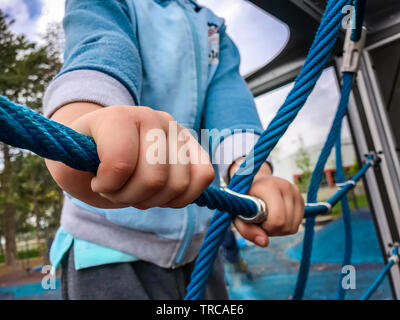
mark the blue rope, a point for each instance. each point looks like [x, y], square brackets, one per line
[318, 55]
[340, 178]
[23, 128]
[316, 177]
[359, 6]
[371, 290]
[334, 134]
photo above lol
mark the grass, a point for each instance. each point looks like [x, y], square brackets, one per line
[361, 201]
[23, 254]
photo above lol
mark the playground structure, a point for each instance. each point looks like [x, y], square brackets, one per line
[22, 128]
[373, 112]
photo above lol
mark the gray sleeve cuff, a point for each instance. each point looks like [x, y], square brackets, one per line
[85, 86]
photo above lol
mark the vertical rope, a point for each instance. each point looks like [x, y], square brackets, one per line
[312, 69]
[316, 177]
[381, 276]
[346, 214]
[359, 7]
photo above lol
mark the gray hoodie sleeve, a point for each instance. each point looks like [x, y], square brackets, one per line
[85, 85]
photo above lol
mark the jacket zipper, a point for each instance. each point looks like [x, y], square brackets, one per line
[190, 229]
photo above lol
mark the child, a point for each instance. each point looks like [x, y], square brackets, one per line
[130, 231]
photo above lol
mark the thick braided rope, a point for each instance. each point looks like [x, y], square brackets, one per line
[54, 141]
[316, 180]
[359, 6]
[394, 259]
[334, 134]
[304, 84]
[348, 237]
[340, 177]
[22, 128]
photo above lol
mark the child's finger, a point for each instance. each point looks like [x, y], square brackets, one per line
[269, 191]
[150, 177]
[252, 232]
[177, 184]
[201, 175]
[117, 147]
[298, 210]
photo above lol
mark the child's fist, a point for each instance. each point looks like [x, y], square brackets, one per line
[146, 160]
[285, 206]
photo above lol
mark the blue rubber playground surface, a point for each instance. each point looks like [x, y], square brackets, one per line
[274, 269]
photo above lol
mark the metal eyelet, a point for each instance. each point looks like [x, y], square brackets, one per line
[262, 212]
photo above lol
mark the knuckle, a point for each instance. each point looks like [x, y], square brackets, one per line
[278, 223]
[155, 181]
[146, 109]
[295, 229]
[286, 186]
[287, 230]
[119, 112]
[166, 115]
[295, 188]
[121, 167]
[207, 174]
[272, 183]
[180, 187]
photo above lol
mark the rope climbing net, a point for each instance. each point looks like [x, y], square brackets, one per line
[22, 128]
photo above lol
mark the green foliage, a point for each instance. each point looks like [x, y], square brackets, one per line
[303, 163]
[29, 199]
[24, 254]
[354, 168]
[26, 68]
[35, 194]
[355, 202]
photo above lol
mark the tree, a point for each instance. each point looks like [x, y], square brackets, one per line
[37, 196]
[303, 163]
[25, 70]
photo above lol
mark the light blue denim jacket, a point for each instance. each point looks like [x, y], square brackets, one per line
[170, 55]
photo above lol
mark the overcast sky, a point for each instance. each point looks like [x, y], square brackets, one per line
[32, 16]
[259, 37]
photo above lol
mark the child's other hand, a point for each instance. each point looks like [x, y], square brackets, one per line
[129, 173]
[285, 206]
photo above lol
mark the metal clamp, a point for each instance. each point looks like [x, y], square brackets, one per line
[352, 51]
[395, 259]
[395, 254]
[348, 182]
[262, 212]
[372, 158]
[317, 204]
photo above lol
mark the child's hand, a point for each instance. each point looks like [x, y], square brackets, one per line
[129, 174]
[284, 203]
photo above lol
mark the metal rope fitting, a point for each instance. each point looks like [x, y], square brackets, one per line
[327, 205]
[262, 212]
[395, 254]
[348, 182]
[352, 51]
[372, 158]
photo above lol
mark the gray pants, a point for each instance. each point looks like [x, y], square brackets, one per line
[137, 280]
